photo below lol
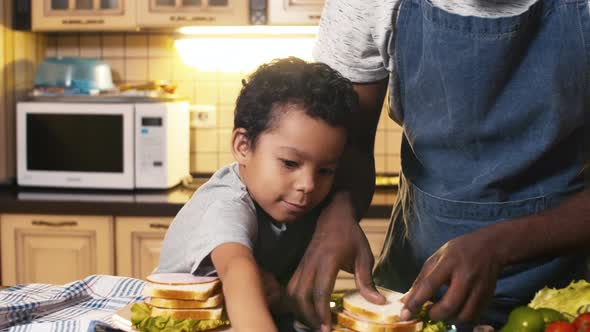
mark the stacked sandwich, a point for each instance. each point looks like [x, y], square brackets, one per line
[357, 314]
[177, 300]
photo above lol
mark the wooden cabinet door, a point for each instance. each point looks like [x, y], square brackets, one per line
[177, 13]
[138, 242]
[295, 12]
[55, 249]
[89, 15]
[375, 230]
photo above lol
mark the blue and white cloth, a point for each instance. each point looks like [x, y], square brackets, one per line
[82, 305]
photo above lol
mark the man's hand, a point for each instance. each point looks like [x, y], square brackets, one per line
[338, 243]
[469, 266]
[272, 291]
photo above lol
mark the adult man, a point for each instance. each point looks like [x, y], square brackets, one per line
[494, 100]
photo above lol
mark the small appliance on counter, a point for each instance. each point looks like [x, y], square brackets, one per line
[73, 76]
[113, 143]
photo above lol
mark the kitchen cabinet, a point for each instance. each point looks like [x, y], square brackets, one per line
[375, 230]
[177, 13]
[138, 243]
[87, 15]
[55, 248]
[295, 12]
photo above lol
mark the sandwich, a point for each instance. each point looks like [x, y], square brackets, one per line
[354, 313]
[180, 302]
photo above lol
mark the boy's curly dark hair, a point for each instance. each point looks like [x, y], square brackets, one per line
[320, 90]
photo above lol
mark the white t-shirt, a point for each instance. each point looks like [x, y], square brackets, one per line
[355, 35]
[222, 211]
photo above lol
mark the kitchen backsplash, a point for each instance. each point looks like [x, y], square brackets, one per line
[138, 57]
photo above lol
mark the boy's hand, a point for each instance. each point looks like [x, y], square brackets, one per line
[338, 243]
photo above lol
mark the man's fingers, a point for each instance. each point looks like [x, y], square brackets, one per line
[478, 299]
[452, 302]
[425, 289]
[364, 278]
[324, 284]
[300, 291]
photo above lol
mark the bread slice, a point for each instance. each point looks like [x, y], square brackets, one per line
[212, 302]
[359, 324]
[387, 313]
[197, 314]
[181, 286]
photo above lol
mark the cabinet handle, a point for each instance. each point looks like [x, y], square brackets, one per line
[314, 17]
[89, 21]
[176, 18]
[159, 226]
[54, 223]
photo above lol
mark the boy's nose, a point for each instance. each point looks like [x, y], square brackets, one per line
[305, 182]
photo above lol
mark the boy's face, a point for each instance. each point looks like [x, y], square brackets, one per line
[291, 169]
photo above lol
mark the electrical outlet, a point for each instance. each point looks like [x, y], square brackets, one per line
[203, 116]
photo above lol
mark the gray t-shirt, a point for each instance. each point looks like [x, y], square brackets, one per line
[222, 211]
[356, 36]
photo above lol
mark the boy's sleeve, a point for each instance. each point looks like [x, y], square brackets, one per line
[346, 43]
[189, 243]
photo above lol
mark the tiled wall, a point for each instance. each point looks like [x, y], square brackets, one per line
[20, 53]
[138, 57]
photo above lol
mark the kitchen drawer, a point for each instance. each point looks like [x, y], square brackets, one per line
[55, 249]
[139, 242]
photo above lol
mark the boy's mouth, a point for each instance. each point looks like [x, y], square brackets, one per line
[294, 207]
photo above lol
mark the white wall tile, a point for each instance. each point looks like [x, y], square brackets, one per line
[136, 70]
[136, 45]
[159, 68]
[113, 45]
[206, 140]
[90, 46]
[68, 45]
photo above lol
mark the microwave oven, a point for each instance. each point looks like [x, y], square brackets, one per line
[102, 145]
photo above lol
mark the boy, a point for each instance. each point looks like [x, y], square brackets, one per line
[257, 215]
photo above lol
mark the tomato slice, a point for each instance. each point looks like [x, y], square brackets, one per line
[560, 326]
[582, 322]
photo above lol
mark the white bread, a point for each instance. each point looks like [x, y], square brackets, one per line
[181, 286]
[359, 324]
[179, 279]
[212, 302]
[387, 313]
[197, 314]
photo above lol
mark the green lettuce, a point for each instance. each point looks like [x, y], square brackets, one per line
[571, 300]
[142, 321]
[429, 325]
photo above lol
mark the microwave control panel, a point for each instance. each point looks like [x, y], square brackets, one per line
[151, 151]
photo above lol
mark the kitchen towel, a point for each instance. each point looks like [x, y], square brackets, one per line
[82, 305]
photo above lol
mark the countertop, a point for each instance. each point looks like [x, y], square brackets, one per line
[15, 199]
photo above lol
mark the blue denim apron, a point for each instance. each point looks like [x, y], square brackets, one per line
[493, 116]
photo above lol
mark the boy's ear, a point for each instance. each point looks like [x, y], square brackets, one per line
[240, 145]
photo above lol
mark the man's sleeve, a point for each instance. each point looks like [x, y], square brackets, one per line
[345, 41]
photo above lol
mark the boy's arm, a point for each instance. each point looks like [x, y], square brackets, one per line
[242, 288]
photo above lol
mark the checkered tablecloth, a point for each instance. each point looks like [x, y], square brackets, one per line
[83, 305]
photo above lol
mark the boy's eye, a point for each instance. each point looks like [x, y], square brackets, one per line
[327, 171]
[289, 163]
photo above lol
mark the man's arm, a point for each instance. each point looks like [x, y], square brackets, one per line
[338, 241]
[471, 263]
[242, 288]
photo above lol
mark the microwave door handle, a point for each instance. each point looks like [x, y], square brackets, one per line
[54, 223]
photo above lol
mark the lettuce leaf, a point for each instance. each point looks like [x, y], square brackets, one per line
[142, 321]
[571, 300]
